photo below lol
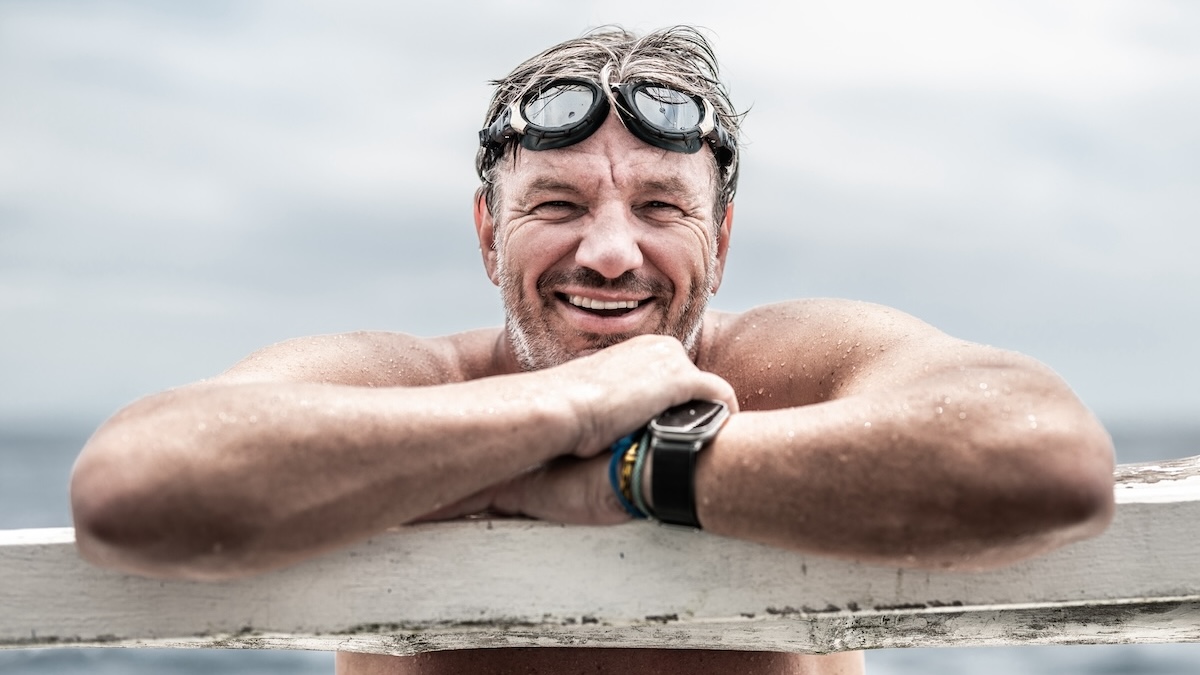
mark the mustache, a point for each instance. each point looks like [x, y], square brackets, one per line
[629, 282]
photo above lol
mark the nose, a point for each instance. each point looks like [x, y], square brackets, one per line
[610, 243]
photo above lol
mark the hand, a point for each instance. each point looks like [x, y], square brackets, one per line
[567, 490]
[619, 389]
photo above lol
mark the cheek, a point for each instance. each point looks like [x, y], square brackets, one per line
[531, 251]
[684, 259]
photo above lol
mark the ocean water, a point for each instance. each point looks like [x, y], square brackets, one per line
[35, 462]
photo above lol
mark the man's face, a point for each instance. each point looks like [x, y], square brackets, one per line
[597, 242]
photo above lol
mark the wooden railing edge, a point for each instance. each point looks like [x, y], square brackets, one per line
[487, 583]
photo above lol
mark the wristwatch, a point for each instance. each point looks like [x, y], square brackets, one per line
[677, 435]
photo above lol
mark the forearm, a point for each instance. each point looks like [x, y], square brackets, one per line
[944, 473]
[225, 479]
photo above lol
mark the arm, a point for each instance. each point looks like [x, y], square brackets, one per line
[869, 435]
[930, 453]
[297, 450]
[923, 451]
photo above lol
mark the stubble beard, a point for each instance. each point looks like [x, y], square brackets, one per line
[533, 340]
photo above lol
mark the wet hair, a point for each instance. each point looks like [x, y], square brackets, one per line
[679, 57]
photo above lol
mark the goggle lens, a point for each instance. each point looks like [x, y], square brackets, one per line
[559, 106]
[667, 109]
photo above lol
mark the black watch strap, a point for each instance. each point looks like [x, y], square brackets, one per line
[673, 480]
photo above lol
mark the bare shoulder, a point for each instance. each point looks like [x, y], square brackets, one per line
[371, 359]
[806, 351]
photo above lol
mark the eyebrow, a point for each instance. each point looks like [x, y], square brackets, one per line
[550, 184]
[672, 184]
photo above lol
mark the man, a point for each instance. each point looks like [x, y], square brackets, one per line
[609, 164]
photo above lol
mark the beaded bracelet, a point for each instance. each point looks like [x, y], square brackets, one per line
[621, 469]
[639, 464]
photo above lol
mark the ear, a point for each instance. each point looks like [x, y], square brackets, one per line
[723, 246]
[485, 230]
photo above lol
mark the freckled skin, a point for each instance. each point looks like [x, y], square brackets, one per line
[857, 431]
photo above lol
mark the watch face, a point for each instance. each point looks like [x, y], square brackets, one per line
[689, 417]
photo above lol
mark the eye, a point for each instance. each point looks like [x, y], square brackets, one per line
[556, 209]
[661, 209]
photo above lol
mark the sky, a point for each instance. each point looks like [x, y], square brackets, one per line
[181, 185]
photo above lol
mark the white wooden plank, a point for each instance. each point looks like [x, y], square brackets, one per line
[516, 582]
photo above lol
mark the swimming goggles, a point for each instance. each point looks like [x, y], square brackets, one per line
[567, 111]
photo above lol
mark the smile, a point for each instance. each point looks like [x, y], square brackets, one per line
[589, 303]
[602, 308]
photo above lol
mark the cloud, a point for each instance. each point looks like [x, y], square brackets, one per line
[180, 185]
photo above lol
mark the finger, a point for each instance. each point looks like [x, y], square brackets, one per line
[716, 388]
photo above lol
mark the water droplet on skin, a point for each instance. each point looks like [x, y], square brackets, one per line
[866, 425]
[760, 391]
[791, 434]
[201, 427]
[983, 385]
[962, 416]
[946, 400]
[253, 419]
[939, 410]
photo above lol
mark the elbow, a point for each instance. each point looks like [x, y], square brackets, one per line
[1035, 500]
[1065, 498]
[1080, 504]
[127, 521]
[1081, 484]
[115, 527]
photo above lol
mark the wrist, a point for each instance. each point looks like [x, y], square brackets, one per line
[676, 438]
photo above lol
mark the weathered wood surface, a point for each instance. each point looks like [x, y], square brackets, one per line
[513, 582]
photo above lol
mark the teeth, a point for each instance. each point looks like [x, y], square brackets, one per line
[588, 303]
